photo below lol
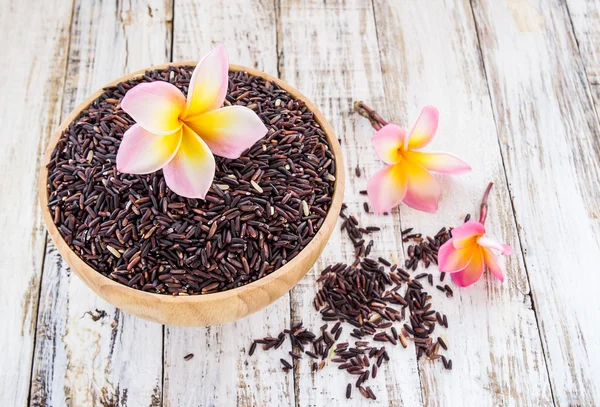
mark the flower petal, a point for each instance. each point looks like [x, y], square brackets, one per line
[466, 234]
[472, 273]
[190, 173]
[388, 143]
[142, 152]
[424, 129]
[444, 163]
[452, 260]
[228, 131]
[208, 84]
[492, 264]
[387, 188]
[423, 191]
[492, 243]
[155, 106]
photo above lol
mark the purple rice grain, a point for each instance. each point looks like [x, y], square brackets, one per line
[311, 354]
[285, 363]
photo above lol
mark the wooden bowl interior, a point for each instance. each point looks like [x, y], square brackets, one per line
[208, 309]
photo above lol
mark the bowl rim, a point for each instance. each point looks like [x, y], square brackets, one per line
[94, 278]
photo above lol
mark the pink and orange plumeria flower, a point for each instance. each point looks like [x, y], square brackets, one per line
[180, 135]
[470, 251]
[407, 177]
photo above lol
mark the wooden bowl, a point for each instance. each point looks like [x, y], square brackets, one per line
[207, 309]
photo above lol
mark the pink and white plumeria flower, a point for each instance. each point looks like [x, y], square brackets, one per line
[180, 135]
[470, 251]
[407, 176]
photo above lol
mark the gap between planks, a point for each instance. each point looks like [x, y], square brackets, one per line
[553, 101]
[39, 292]
[512, 205]
[586, 61]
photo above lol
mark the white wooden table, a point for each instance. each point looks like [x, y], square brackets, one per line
[518, 86]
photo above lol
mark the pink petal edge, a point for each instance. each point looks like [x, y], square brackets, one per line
[492, 243]
[208, 85]
[452, 260]
[424, 128]
[469, 229]
[387, 188]
[423, 191]
[492, 264]
[142, 152]
[472, 273]
[228, 131]
[155, 106]
[444, 163]
[191, 172]
[388, 142]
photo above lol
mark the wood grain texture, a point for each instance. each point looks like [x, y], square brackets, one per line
[595, 89]
[196, 310]
[585, 15]
[493, 335]
[88, 352]
[549, 137]
[585, 20]
[34, 51]
[329, 51]
[221, 373]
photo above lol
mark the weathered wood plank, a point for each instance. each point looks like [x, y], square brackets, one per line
[549, 137]
[585, 19]
[221, 373]
[329, 52]
[585, 16]
[34, 54]
[596, 96]
[88, 352]
[493, 334]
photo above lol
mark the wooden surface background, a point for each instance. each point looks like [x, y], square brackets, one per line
[518, 86]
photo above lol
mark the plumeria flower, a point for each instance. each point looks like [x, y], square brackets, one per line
[181, 135]
[470, 251]
[407, 177]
